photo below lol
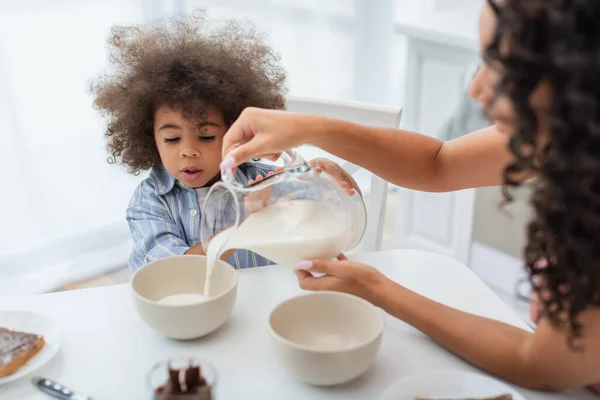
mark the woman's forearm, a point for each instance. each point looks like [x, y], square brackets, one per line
[417, 161]
[493, 346]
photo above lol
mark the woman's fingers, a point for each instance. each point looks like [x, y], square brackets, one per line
[302, 275]
[328, 267]
[272, 157]
[309, 282]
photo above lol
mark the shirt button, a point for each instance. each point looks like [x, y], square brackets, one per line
[193, 212]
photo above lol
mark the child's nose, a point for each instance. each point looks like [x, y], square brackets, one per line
[189, 152]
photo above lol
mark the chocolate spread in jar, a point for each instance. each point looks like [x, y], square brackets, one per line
[184, 384]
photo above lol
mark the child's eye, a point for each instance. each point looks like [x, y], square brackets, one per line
[207, 138]
[171, 140]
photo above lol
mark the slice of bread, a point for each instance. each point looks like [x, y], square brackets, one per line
[16, 348]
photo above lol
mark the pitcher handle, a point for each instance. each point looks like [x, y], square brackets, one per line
[293, 163]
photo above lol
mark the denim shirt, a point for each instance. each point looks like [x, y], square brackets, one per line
[164, 218]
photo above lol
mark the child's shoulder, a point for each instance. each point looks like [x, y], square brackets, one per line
[158, 183]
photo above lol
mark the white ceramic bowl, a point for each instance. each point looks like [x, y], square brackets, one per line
[184, 275]
[326, 338]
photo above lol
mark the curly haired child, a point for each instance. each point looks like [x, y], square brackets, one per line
[169, 96]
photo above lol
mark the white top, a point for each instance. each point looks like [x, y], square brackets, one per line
[107, 349]
[201, 194]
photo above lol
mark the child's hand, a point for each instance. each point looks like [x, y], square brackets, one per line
[261, 198]
[345, 179]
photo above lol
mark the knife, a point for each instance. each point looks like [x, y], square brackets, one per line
[56, 390]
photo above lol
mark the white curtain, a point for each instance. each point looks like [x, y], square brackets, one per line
[62, 206]
[332, 49]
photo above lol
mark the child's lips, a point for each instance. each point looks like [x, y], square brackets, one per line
[192, 173]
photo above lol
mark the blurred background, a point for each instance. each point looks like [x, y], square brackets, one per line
[62, 206]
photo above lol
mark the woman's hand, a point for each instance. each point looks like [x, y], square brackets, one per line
[344, 178]
[261, 133]
[342, 276]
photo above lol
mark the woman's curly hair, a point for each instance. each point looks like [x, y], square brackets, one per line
[187, 63]
[556, 42]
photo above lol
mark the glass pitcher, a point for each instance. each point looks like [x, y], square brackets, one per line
[294, 214]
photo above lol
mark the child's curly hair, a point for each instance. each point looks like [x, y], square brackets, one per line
[186, 63]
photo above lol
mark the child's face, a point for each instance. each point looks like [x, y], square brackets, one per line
[190, 153]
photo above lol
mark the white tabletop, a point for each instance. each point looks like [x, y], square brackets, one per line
[107, 349]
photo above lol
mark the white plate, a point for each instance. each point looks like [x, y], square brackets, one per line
[27, 321]
[448, 385]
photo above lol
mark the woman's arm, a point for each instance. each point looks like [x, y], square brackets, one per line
[417, 161]
[404, 158]
[542, 360]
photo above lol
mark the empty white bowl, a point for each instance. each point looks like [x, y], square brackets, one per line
[326, 338]
[184, 275]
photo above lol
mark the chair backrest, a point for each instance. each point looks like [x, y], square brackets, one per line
[366, 114]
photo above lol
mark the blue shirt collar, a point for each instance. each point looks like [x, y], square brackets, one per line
[165, 182]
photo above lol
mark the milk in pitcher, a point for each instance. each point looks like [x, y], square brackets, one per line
[284, 232]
